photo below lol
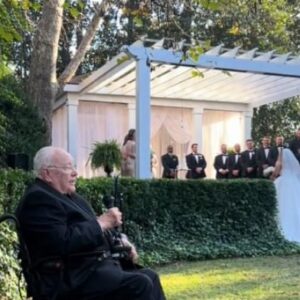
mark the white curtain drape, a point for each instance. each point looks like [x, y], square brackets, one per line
[97, 122]
[220, 127]
[171, 126]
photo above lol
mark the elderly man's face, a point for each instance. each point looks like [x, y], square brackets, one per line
[61, 174]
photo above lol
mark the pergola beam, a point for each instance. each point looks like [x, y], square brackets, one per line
[241, 63]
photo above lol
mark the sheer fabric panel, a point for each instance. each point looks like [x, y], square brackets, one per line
[171, 126]
[220, 127]
[97, 122]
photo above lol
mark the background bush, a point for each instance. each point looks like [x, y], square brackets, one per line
[173, 220]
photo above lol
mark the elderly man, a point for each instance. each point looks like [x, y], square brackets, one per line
[69, 244]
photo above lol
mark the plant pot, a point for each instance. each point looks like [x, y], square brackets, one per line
[108, 170]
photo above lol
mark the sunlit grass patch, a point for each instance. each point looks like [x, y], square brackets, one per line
[263, 278]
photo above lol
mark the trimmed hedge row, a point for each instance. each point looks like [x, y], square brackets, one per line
[190, 220]
[176, 220]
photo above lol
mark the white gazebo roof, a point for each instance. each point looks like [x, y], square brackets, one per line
[247, 78]
[229, 75]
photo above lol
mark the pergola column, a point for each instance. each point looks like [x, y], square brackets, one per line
[247, 124]
[72, 127]
[198, 125]
[143, 120]
[131, 115]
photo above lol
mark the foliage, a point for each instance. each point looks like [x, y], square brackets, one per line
[107, 155]
[277, 119]
[180, 220]
[9, 266]
[20, 127]
[261, 278]
[12, 187]
[177, 220]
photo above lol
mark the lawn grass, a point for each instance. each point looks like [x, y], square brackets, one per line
[267, 278]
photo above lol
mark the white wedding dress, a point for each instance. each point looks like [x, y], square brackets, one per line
[288, 197]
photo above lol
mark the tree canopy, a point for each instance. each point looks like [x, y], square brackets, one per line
[48, 42]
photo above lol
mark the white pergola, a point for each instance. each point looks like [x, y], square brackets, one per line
[231, 78]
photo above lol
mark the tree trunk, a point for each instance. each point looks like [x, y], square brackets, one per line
[42, 86]
[70, 70]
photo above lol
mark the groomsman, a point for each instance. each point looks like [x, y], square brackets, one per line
[264, 156]
[235, 163]
[295, 145]
[279, 145]
[196, 164]
[170, 163]
[248, 159]
[221, 163]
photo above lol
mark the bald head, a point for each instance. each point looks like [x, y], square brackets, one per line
[54, 166]
[48, 156]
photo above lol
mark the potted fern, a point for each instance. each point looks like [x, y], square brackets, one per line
[106, 155]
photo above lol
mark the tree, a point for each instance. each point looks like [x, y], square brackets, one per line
[43, 83]
[280, 118]
[60, 24]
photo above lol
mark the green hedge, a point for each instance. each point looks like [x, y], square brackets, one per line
[178, 220]
[191, 220]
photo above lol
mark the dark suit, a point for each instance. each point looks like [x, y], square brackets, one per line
[219, 163]
[262, 159]
[248, 162]
[65, 228]
[274, 152]
[234, 163]
[192, 164]
[295, 148]
[170, 163]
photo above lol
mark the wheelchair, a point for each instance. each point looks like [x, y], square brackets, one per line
[32, 276]
[30, 271]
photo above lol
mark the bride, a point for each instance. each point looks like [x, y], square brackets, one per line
[288, 195]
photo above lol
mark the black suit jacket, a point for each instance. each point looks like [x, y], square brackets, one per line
[234, 164]
[274, 152]
[218, 164]
[169, 162]
[262, 159]
[247, 162]
[192, 164]
[55, 225]
[295, 147]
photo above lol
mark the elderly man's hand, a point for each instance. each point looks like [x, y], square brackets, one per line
[133, 253]
[110, 219]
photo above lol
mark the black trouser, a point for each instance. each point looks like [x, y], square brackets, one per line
[139, 284]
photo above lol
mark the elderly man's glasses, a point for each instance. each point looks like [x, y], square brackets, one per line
[64, 168]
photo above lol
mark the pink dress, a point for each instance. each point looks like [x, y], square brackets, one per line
[128, 159]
